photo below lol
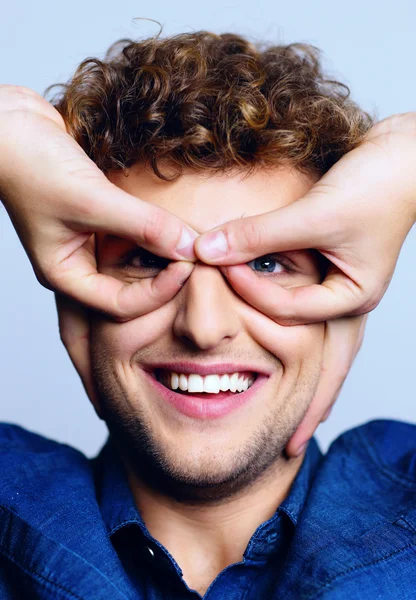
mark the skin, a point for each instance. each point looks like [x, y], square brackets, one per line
[371, 188]
[195, 480]
[57, 198]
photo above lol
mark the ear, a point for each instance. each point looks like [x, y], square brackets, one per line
[343, 339]
[74, 327]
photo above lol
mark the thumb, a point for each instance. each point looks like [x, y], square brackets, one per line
[310, 222]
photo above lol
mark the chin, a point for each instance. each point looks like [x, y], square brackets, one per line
[213, 472]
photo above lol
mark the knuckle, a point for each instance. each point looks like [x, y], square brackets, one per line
[43, 278]
[49, 276]
[251, 234]
[154, 228]
[64, 337]
[369, 305]
[121, 310]
[373, 298]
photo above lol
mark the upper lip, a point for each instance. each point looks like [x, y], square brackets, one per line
[207, 369]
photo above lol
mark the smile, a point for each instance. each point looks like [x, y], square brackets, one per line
[209, 384]
[205, 391]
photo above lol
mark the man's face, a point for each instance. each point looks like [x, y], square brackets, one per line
[199, 445]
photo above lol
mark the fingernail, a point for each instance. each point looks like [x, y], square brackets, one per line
[185, 246]
[213, 245]
[301, 449]
[184, 275]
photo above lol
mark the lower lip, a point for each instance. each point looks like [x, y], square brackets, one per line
[212, 407]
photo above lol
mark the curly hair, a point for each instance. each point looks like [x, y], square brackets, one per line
[210, 102]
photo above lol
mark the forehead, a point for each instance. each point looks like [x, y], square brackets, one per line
[205, 201]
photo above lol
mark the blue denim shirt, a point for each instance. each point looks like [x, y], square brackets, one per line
[69, 528]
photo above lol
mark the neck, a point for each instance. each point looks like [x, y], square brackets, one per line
[206, 538]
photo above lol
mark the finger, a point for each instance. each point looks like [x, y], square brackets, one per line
[124, 300]
[307, 223]
[360, 338]
[312, 419]
[89, 202]
[336, 296]
[74, 327]
[20, 98]
[342, 341]
[103, 207]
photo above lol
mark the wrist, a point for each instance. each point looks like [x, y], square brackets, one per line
[396, 134]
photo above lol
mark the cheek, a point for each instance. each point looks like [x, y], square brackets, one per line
[120, 341]
[293, 346]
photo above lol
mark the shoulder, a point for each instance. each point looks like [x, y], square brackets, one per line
[367, 475]
[15, 439]
[359, 519]
[388, 444]
[32, 465]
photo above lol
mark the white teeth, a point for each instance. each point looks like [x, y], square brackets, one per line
[174, 381]
[224, 383]
[234, 382]
[183, 383]
[195, 383]
[210, 384]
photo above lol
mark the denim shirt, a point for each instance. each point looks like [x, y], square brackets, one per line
[70, 530]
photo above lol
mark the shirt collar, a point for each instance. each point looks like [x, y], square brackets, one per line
[295, 501]
[118, 508]
[114, 496]
[274, 535]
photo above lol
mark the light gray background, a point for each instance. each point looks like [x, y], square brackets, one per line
[370, 45]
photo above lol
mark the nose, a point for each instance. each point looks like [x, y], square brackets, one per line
[206, 317]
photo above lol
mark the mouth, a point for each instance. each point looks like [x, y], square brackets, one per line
[205, 392]
[206, 385]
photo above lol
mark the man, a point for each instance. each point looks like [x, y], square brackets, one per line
[193, 493]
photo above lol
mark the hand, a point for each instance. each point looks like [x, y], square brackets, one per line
[343, 339]
[57, 197]
[357, 215]
[74, 329]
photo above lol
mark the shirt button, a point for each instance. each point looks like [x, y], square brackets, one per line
[150, 551]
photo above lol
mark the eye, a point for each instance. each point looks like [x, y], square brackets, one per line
[270, 263]
[143, 260]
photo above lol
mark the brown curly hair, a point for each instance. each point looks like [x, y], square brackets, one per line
[210, 102]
